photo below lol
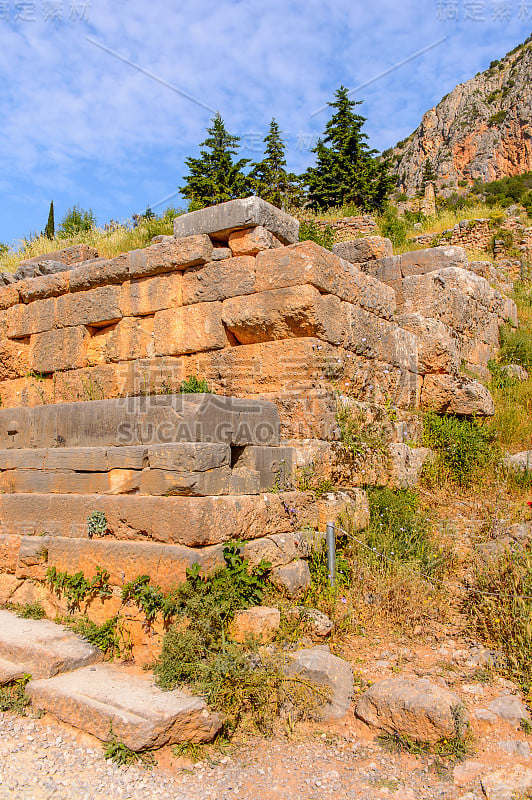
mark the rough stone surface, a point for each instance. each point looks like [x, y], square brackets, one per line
[507, 784]
[250, 241]
[449, 394]
[218, 280]
[515, 371]
[141, 715]
[367, 248]
[44, 648]
[220, 220]
[259, 622]
[293, 578]
[167, 256]
[315, 622]
[510, 708]
[520, 462]
[407, 463]
[416, 708]
[320, 667]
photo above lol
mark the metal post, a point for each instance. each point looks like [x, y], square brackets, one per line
[331, 553]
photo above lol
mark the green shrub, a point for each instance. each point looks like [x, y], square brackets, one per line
[96, 524]
[194, 385]
[393, 227]
[309, 231]
[108, 637]
[76, 220]
[76, 588]
[27, 610]
[464, 448]
[13, 696]
[516, 346]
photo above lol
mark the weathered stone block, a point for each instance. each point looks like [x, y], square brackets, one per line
[9, 296]
[85, 459]
[220, 220]
[375, 338]
[293, 578]
[44, 286]
[436, 349]
[55, 350]
[320, 667]
[100, 273]
[219, 280]
[274, 464]
[68, 255]
[131, 338]
[191, 329]
[103, 699]
[449, 394]
[419, 262]
[244, 481]
[406, 464]
[97, 307]
[149, 295]
[250, 241]
[367, 248]
[288, 313]
[260, 623]
[23, 320]
[169, 483]
[45, 648]
[189, 457]
[27, 481]
[169, 256]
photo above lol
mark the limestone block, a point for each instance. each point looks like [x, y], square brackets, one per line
[189, 457]
[250, 241]
[412, 707]
[260, 622]
[127, 457]
[169, 256]
[14, 354]
[54, 350]
[103, 699]
[419, 262]
[220, 220]
[285, 314]
[67, 255]
[292, 578]
[131, 338]
[320, 667]
[84, 459]
[244, 481]
[274, 464]
[219, 280]
[372, 337]
[352, 506]
[44, 481]
[97, 307]
[406, 464]
[177, 482]
[24, 459]
[9, 549]
[367, 248]
[437, 350]
[219, 252]
[44, 286]
[149, 295]
[157, 419]
[100, 273]
[9, 296]
[32, 557]
[191, 329]
[45, 648]
[24, 320]
[191, 521]
[448, 394]
[308, 263]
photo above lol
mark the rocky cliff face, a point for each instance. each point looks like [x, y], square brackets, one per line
[482, 129]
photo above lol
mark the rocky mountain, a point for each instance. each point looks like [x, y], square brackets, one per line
[481, 130]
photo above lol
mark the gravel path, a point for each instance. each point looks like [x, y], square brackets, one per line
[40, 760]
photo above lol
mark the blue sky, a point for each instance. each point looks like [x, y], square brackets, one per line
[81, 125]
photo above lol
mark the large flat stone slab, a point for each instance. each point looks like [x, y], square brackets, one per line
[153, 420]
[220, 220]
[42, 648]
[191, 521]
[11, 671]
[141, 715]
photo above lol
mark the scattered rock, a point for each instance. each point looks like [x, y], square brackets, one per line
[413, 707]
[293, 578]
[520, 462]
[510, 708]
[318, 666]
[505, 784]
[315, 622]
[515, 747]
[466, 772]
[260, 622]
[406, 464]
[515, 371]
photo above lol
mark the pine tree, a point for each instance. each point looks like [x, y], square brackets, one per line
[215, 177]
[429, 175]
[269, 178]
[49, 231]
[346, 170]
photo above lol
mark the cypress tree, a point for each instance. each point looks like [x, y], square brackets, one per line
[215, 177]
[346, 169]
[269, 178]
[49, 231]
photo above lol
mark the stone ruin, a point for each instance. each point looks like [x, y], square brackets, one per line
[289, 336]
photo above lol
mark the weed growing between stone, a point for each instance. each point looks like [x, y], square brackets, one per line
[76, 588]
[309, 231]
[109, 637]
[26, 610]
[13, 696]
[194, 385]
[233, 679]
[465, 449]
[121, 754]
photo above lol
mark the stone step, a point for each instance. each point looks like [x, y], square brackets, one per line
[191, 521]
[42, 648]
[147, 420]
[107, 700]
[11, 671]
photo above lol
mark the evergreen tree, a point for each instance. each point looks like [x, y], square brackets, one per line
[429, 175]
[215, 177]
[49, 231]
[269, 178]
[346, 169]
